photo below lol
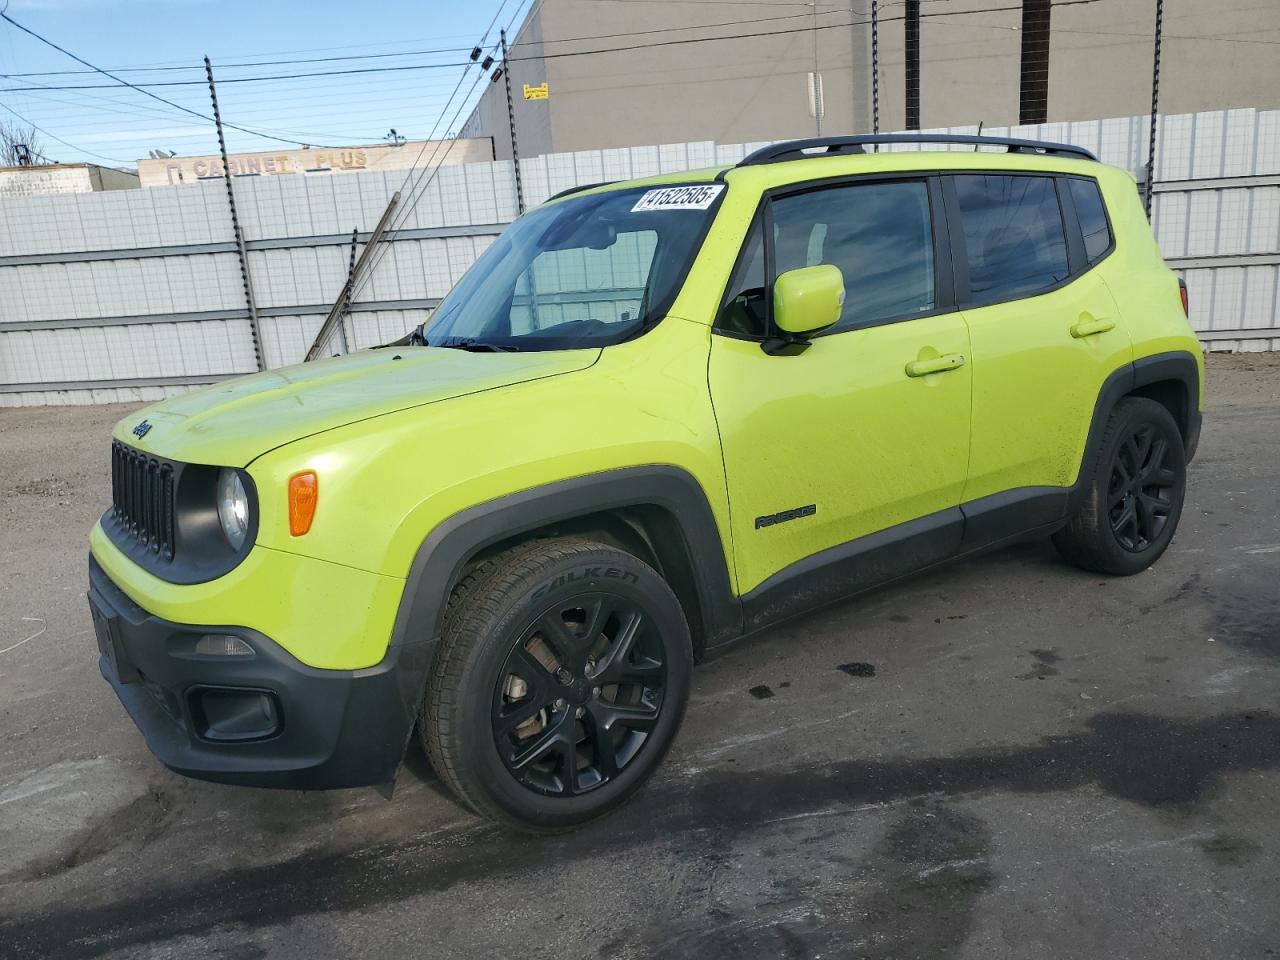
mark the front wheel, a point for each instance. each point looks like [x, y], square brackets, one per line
[1134, 497]
[561, 680]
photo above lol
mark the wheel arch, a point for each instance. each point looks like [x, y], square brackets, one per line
[659, 513]
[1171, 379]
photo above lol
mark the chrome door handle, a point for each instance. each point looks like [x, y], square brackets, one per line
[948, 361]
[1089, 326]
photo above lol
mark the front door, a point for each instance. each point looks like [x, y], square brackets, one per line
[853, 440]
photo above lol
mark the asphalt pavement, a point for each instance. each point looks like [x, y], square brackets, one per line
[1007, 757]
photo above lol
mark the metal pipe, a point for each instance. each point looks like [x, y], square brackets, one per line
[1155, 109]
[254, 331]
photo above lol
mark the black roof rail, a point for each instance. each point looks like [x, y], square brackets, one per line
[578, 189]
[816, 146]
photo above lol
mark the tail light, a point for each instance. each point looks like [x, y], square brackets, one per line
[1186, 301]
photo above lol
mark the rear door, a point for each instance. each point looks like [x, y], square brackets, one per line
[1044, 331]
[842, 440]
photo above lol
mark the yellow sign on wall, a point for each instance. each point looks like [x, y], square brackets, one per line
[540, 92]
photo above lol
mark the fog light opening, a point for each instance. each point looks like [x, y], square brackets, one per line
[230, 714]
[222, 645]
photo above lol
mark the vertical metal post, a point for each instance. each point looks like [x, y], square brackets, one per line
[817, 76]
[511, 119]
[911, 18]
[254, 331]
[1155, 109]
[351, 285]
[875, 66]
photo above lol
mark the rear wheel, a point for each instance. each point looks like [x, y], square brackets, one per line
[1134, 498]
[560, 683]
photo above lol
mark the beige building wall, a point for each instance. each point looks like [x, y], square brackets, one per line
[1217, 55]
[315, 161]
[48, 180]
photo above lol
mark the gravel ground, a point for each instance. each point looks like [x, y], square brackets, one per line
[1004, 758]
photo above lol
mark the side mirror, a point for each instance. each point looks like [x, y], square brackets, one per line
[807, 300]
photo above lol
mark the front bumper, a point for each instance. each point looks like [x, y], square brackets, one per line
[261, 720]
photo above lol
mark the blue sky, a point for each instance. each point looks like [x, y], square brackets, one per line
[120, 125]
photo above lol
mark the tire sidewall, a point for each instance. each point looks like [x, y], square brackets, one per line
[602, 571]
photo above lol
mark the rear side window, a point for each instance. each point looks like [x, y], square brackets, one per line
[1013, 235]
[1092, 216]
[878, 234]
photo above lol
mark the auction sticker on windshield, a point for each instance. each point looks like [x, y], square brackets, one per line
[698, 197]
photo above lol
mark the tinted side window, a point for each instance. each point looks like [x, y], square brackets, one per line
[878, 234]
[1013, 234]
[1092, 216]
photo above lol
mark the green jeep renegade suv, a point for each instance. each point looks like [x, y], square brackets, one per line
[653, 418]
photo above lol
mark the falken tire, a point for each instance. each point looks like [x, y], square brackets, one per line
[1134, 497]
[525, 661]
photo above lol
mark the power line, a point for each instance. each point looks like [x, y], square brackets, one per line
[544, 56]
[5, 16]
[61, 141]
[428, 52]
[440, 66]
[418, 185]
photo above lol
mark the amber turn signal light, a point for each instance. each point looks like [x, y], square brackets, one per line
[304, 491]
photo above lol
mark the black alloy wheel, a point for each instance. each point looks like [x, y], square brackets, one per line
[1129, 500]
[559, 685]
[1140, 494]
[579, 694]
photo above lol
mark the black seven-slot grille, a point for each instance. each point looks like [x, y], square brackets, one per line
[142, 498]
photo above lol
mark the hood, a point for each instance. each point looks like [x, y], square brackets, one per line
[233, 422]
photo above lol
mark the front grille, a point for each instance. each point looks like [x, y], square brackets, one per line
[142, 498]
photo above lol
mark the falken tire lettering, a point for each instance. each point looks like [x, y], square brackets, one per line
[585, 575]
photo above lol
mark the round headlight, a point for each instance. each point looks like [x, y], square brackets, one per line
[233, 508]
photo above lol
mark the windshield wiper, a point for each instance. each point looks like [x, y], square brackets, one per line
[472, 345]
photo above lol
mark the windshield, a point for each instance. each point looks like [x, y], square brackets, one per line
[584, 272]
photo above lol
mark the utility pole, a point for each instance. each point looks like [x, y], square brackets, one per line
[1155, 109]
[254, 332]
[511, 120]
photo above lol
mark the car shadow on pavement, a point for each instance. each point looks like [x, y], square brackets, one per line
[1158, 763]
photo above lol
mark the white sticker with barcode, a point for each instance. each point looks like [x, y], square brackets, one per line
[698, 197]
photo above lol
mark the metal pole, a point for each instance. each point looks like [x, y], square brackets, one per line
[245, 277]
[351, 285]
[817, 77]
[511, 119]
[1155, 109]
[874, 65]
[348, 289]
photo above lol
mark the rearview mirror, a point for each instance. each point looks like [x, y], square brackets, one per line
[808, 299]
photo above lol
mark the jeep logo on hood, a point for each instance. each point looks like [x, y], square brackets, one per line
[141, 429]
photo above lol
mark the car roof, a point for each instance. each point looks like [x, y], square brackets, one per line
[798, 169]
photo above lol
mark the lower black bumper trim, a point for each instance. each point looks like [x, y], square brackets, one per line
[337, 728]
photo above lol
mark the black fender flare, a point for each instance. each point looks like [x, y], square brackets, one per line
[444, 554]
[1179, 367]
[440, 561]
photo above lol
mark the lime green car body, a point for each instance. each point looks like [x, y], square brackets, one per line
[858, 434]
